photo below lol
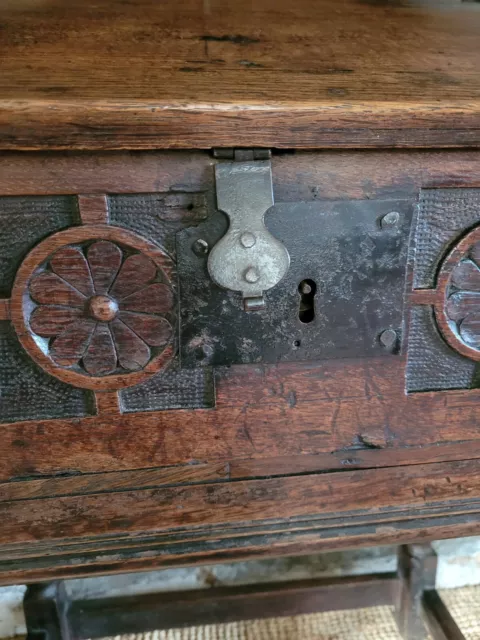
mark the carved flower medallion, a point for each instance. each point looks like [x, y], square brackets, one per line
[458, 296]
[463, 298]
[97, 307]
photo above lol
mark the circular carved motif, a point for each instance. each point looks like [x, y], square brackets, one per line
[457, 307]
[94, 306]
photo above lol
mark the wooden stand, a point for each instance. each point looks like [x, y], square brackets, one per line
[50, 614]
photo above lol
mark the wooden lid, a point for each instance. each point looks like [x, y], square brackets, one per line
[117, 74]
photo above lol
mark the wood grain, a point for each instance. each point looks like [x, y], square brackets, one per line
[265, 412]
[190, 75]
[118, 481]
[466, 275]
[326, 496]
[156, 298]
[304, 175]
[388, 506]
[100, 173]
[48, 288]
[93, 209]
[4, 309]
[417, 571]
[107, 403]
[104, 260]
[70, 345]
[233, 469]
[131, 555]
[100, 358]
[135, 353]
[70, 264]
[137, 272]
[112, 616]
[154, 330]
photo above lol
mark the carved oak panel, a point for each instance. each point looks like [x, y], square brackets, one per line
[92, 308]
[28, 392]
[24, 222]
[444, 325]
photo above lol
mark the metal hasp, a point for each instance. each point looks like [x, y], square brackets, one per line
[247, 258]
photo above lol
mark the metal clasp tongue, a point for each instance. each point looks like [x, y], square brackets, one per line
[248, 258]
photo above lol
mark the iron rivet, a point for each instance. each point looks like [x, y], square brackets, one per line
[390, 220]
[200, 247]
[251, 275]
[247, 239]
[388, 339]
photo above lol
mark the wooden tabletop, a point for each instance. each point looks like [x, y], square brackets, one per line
[140, 74]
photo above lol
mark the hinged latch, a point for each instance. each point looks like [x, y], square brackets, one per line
[247, 258]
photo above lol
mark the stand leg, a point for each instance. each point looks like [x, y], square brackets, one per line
[46, 606]
[417, 567]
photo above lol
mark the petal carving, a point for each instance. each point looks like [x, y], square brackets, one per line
[466, 276]
[49, 288]
[133, 353]
[156, 298]
[470, 330]
[104, 259]
[136, 272]
[100, 357]
[475, 253]
[48, 321]
[461, 304]
[70, 264]
[154, 330]
[67, 349]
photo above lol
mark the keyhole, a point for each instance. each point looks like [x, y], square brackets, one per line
[306, 311]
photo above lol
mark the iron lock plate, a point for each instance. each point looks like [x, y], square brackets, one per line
[344, 287]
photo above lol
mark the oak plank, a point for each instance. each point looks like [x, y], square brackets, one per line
[124, 559]
[116, 481]
[389, 520]
[306, 175]
[337, 406]
[189, 75]
[367, 491]
[236, 468]
[97, 174]
[354, 458]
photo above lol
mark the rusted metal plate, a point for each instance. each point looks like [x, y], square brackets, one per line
[345, 286]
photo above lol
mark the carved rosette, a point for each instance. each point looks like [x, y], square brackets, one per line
[457, 299]
[94, 306]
